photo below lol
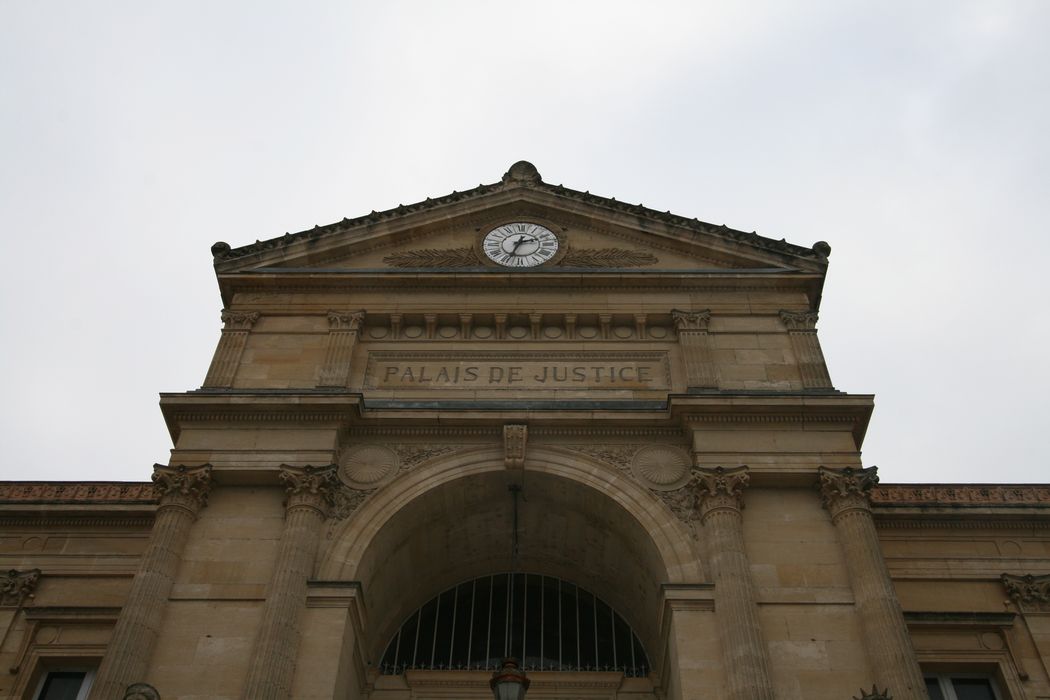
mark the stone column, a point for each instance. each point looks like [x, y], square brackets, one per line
[231, 345]
[890, 650]
[311, 491]
[802, 332]
[696, 348]
[720, 496]
[343, 329]
[183, 492]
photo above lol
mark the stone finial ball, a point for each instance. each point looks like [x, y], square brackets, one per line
[220, 248]
[522, 171]
[822, 249]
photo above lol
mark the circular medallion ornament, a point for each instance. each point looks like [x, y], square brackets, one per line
[520, 244]
[662, 467]
[366, 465]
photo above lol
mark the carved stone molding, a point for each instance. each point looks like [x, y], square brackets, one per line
[691, 320]
[618, 456]
[411, 456]
[18, 586]
[547, 326]
[1031, 593]
[346, 500]
[960, 495]
[310, 486]
[182, 486]
[77, 492]
[141, 691]
[591, 258]
[875, 694]
[515, 438]
[721, 489]
[848, 489]
[239, 320]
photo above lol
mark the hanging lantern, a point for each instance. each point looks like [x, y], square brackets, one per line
[509, 683]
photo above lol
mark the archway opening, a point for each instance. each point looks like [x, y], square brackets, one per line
[461, 530]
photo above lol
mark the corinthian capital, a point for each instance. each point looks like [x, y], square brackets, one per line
[182, 486]
[239, 320]
[345, 321]
[691, 320]
[16, 586]
[1030, 592]
[844, 489]
[311, 486]
[721, 488]
[800, 320]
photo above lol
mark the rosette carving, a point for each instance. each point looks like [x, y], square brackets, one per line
[182, 486]
[366, 465]
[661, 467]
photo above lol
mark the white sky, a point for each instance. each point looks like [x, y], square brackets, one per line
[911, 136]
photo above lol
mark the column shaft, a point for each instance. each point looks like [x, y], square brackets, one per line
[272, 666]
[342, 337]
[231, 346]
[127, 656]
[747, 668]
[695, 344]
[886, 638]
[273, 661]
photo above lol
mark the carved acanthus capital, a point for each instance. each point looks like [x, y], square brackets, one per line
[310, 486]
[515, 438]
[182, 486]
[1031, 593]
[875, 694]
[799, 320]
[720, 489]
[239, 320]
[16, 586]
[345, 321]
[691, 320]
[847, 489]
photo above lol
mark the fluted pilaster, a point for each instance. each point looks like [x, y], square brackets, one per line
[696, 349]
[802, 332]
[234, 338]
[343, 330]
[183, 492]
[886, 638]
[720, 496]
[311, 491]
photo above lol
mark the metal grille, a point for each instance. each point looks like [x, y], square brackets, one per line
[547, 623]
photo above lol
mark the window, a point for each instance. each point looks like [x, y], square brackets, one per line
[961, 686]
[65, 684]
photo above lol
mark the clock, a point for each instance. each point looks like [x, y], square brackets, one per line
[520, 244]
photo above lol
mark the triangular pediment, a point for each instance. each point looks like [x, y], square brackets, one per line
[446, 235]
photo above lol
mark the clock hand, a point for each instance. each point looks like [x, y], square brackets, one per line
[521, 240]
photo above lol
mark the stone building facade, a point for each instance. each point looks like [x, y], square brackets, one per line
[525, 421]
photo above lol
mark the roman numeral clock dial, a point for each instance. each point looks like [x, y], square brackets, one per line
[520, 244]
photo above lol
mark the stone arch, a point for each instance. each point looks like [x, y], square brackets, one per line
[446, 520]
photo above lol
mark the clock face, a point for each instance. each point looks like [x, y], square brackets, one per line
[520, 244]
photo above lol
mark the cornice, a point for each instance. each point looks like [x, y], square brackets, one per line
[511, 188]
[961, 495]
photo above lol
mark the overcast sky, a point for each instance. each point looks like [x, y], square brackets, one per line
[912, 136]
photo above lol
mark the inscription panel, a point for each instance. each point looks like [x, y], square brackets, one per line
[472, 370]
